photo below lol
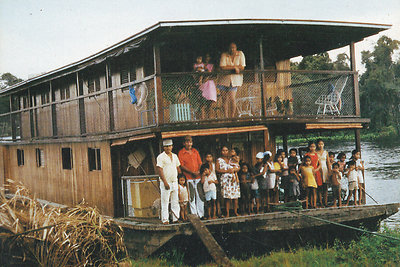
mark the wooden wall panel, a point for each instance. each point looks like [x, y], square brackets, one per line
[43, 123]
[96, 113]
[53, 183]
[25, 125]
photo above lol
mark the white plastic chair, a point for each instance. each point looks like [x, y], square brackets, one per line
[331, 103]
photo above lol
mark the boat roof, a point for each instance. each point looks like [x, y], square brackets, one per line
[286, 37]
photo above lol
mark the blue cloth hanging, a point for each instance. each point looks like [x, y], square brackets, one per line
[132, 93]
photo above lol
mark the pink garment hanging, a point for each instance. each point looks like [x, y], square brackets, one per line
[209, 90]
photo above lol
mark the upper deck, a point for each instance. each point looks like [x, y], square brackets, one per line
[90, 98]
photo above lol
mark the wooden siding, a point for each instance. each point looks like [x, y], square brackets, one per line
[70, 187]
[278, 85]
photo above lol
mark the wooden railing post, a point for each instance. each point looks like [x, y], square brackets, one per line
[12, 121]
[53, 110]
[263, 107]
[355, 80]
[110, 99]
[81, 105]
[157, 85]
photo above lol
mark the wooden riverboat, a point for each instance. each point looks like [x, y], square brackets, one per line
[72, 134]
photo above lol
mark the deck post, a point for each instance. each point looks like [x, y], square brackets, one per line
[31, 122]
[53, 110]
[263, 109]
[81, 105]
[12, 122]
[285, 145]
[110, 98]
[157, 85]
[356, 91]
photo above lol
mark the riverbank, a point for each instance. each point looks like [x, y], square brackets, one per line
[386, 134]
[367, 251]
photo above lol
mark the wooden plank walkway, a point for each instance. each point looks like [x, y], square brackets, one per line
[215, 250]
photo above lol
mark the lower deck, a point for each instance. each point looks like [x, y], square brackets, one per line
[145, 237]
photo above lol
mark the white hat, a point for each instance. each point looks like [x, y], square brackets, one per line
[167, 142]
[260, 155]
[267, 153]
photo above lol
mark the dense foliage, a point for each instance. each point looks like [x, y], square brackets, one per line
[380, 85]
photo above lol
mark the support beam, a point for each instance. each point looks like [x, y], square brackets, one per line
[110, 98]
[31, 121]
[12, 121]
[53, 110]
[355, 80]
[285, 145]
[81, 105]
[215, 250]
[157, 85]
[357, 137]
[263, 108]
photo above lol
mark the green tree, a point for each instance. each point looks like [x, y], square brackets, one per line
[380, 85]
[9, 80]
[316, 62]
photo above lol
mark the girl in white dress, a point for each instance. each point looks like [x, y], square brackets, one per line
[325, 169]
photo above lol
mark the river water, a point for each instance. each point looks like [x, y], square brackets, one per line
[382, 171]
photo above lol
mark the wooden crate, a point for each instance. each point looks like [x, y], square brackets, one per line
[144, 193]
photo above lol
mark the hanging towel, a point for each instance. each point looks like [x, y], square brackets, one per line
[132, 93]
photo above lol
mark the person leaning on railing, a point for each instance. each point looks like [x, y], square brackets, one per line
[234, 61]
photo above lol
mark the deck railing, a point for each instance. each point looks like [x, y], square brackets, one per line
[178, 98]
[263, 94]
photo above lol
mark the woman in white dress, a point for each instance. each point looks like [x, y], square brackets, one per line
[229, 187]
[325, 169]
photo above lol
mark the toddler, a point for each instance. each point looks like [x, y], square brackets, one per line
[293, 187]
[293, 161]
[183, 194]
[245, 180]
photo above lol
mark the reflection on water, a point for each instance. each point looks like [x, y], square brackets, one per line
[382, 173]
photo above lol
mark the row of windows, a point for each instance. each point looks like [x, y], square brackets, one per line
[94, 158]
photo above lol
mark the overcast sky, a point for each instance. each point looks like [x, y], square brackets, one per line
[40, 35]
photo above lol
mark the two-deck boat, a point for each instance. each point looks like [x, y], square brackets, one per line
[73, 134]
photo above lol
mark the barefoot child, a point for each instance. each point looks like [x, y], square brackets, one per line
[210, 190]
[245, 180]
[255, 189]
[335, 178]
[308, 181]
[210, 161]
[183, 194]
[360, 174]
[353, 182]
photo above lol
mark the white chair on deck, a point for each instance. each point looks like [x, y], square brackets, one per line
[331, 103]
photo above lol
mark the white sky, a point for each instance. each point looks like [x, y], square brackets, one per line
[41, 35]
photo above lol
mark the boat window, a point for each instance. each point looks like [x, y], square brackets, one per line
[94, 159]
[39, 157]
[66, 155]
[64, 92]
[20, 157]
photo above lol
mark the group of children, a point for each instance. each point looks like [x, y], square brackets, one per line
[299, 180]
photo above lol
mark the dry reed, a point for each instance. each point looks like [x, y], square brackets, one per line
[34, 234]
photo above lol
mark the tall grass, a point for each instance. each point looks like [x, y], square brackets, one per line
[34, 234]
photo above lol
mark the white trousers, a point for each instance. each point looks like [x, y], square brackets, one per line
[197, 205]
[167, 196]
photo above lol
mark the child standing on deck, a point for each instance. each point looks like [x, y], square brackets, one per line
[183, 193]
[308, 181]
[245, 180]
[293, 161]
[255, 189]
[210, 161]
[335, 178]
[360, 174]
[293, 187]
[312, 153]
[353, 182]
[210, 190]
